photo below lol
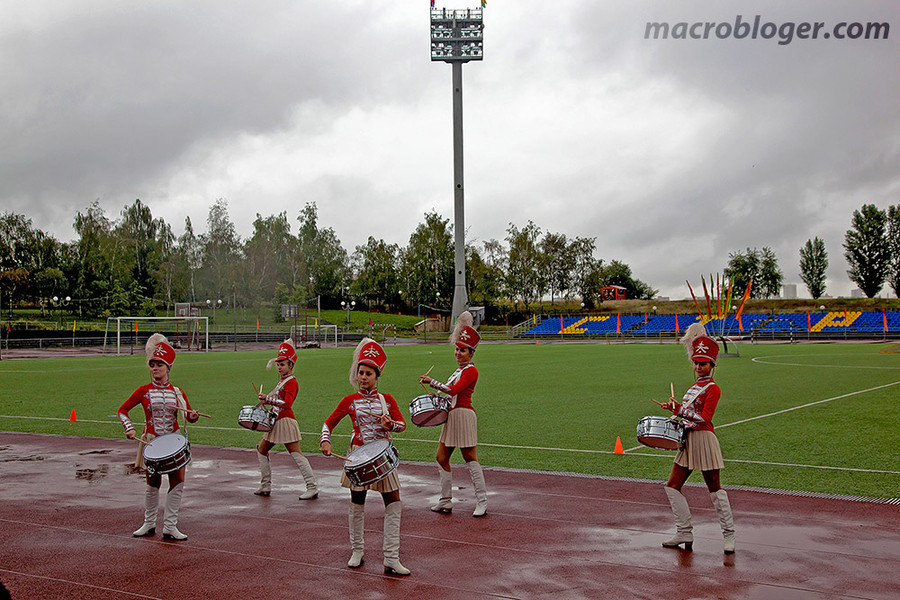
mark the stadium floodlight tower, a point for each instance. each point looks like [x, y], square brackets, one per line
[456, 38]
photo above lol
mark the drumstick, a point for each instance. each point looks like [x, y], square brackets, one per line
[339, 456]
[188, 410]
[672, 389]
[660, 403]
[371, 414]
[428, 371]
[140, 441]
[427, 391]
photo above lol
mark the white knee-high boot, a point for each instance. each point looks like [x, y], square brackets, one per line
[357, 528]
[445, 504]
[170, 518]
[391, 544]
[151, 510]
[312, 488]
[265, 475]
[726, 520]
[477, 474]
[684, 533]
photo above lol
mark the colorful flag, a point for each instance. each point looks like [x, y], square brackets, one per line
[257, 323]
[432, 3]
[561, 326]
[483, 3]
[618, 323]
[699, 312]
[645, 318]
[884, 318]
[370, 321]
[808, 322]
[676, 324]
[73, 326]
[740, 323]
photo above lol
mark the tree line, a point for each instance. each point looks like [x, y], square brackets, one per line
[871, 249]
[135, 263]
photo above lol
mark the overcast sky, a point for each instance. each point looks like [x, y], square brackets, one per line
[672, 153]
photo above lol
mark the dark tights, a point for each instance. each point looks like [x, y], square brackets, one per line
[359, 497]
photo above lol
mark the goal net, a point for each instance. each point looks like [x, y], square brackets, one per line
[127, 335]
[314, 335]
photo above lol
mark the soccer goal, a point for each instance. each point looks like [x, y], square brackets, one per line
[127, 335]
[311, 335]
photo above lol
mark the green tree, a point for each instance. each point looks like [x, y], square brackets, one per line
[269, 253]
[94, 256]
[744, 267]
[618, 273]
[813, 265]
[484, 273]
[770, 276]
[137, 231]
[172, 274]
[558, 263]
[377, 276]
[586, 271]
[866, 249]
[322, 258]
[221, 251]
[893, 243]
[192, 253]
[428, 262]
[525, 280]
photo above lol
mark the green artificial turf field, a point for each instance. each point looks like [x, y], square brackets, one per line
[556, 407]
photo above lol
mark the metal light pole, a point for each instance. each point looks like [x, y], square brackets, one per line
[457, 37]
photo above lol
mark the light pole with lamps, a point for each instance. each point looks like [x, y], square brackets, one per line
[60, 303]
[213, 305]
[348, 306]
[456, 38]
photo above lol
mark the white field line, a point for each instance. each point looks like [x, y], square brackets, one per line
[555, 449]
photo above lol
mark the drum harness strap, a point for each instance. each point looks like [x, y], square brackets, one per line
[694, 393]
[276, 403]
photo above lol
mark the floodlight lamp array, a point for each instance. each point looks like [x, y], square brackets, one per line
[457, 35]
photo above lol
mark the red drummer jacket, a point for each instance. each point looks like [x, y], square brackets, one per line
[160, 412]
[699, 404]
[366, 428]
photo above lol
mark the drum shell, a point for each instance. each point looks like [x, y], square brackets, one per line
[170, 462]
[660, 432]
[374, 469]
[256, 418]
[429, 410]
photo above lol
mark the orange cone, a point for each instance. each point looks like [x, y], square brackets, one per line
[618, 449]
[72, 418]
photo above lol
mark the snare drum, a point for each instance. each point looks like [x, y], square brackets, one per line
[257, 418]
[429, 410]
[370, 463]
[167, 453]
[660, 432]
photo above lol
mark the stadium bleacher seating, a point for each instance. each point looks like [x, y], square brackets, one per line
[814, 322]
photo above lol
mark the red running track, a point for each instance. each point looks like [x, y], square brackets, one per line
[68, 506]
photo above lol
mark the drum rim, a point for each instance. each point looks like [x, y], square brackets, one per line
[186, 446]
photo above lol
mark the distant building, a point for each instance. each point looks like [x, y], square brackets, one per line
[789, 291]
[857, 293]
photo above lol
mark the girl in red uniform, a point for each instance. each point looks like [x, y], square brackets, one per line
[461, 428]
[374, 416]
[161, 402]
[286, 431]
[701, 446]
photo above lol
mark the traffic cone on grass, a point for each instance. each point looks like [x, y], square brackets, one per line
[73, 418]
[618, 449]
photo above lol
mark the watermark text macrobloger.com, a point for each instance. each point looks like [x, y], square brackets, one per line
[756, 28]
